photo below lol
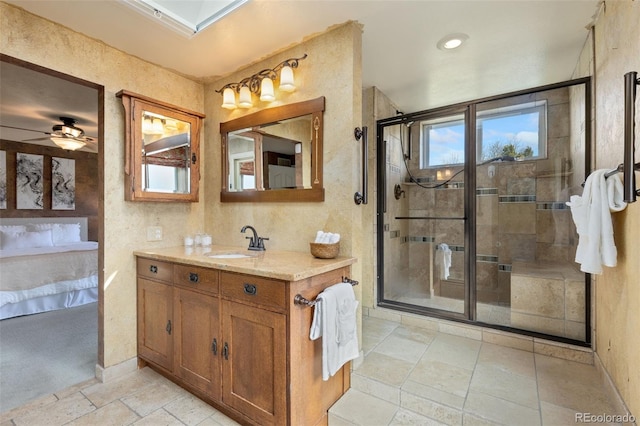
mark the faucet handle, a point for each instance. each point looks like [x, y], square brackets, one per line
[261, 242]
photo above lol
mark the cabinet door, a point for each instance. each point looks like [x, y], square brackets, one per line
[197, 340]
[254, 359]
[155, 327]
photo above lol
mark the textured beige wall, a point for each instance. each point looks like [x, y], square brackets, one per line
[332, 70]
[617, 291]
[39, 41]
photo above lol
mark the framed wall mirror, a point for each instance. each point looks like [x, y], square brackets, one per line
[162, 150]
[274, 155]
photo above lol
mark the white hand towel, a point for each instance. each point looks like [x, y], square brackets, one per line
[443, 260]
[334, 319]
[591, 214]
[319, 235]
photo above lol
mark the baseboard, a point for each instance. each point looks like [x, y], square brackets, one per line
[116, 371]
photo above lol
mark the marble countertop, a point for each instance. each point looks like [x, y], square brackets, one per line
[282, 265]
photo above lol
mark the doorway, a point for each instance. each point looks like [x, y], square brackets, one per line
[33, 99]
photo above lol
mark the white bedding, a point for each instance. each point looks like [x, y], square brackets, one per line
[46, 278]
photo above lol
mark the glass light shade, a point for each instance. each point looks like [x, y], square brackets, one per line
[287, 83]
[68, 143]
[228, 98]
[266, 90]
[244, 100]
[157, 128]
[147, 125]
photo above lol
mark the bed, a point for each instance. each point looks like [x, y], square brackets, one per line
[46, 264]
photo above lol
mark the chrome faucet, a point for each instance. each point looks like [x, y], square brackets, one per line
[256, 243]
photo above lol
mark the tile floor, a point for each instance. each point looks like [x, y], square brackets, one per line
[410, 376]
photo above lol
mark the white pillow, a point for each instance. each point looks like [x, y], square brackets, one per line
[13, 228]
[23, 240]
[62, 233]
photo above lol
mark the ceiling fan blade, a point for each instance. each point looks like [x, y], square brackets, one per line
[36, 139]
[26, 130]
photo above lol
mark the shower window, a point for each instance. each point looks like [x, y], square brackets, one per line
[472, 219]
[509, 130]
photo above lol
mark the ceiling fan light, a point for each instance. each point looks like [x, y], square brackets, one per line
[68, 143]
[71, 131]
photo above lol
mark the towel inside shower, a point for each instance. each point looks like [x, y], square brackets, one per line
[443, 260]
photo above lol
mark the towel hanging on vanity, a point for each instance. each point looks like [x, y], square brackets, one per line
[334, 319]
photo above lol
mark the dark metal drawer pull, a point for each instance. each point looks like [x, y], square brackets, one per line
[250, 289]
[193, 277]
[168, 328]
[225, 351]
[153, 269]
[214, 346]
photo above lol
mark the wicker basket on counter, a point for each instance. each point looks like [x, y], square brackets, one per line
[325, 251]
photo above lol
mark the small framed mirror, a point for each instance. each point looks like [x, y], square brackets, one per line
[162, 150]
[274, 155]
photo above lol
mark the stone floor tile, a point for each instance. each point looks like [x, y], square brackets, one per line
[189, 409]
[445, 377]
[415, 333]
[145, 402]
[386, 369]
[58, 413]
[159, 417]
[362, 409]
[496, 381]
[409, 418]
[508, 359]
[113, 414]
[401, 348]
[500, 410]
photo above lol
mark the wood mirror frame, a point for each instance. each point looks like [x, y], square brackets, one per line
[315, 193]
[135, 106]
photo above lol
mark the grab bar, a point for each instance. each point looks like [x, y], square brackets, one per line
[298, 299]
[361, 197]
[630, 82]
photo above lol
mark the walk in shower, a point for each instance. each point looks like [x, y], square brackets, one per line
[472, 221]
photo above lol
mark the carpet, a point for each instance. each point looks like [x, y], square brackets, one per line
[44, 353]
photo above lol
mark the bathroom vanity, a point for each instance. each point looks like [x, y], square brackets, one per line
[222, 323]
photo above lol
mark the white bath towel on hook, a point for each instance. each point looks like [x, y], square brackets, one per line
[443, 260]
[591, 213]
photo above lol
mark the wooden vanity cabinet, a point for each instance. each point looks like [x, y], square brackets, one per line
[237, 341]
[155, 312]
[197, 328]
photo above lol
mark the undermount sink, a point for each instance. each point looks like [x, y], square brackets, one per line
[228, 255]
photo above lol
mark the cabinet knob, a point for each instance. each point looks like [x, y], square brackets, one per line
[193, 277]
[250, 289]
[225, 351]
[153, 269]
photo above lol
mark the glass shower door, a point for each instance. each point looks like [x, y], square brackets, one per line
[526, 277]
[422, 233]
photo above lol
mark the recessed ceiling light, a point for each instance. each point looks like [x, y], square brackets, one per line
[452, 41]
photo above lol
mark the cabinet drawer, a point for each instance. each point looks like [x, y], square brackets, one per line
[155, 269]
[194, 277]
[252, 289]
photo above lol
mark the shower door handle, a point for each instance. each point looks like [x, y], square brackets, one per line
[361, 197]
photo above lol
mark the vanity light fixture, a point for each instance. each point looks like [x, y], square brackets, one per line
[261, 84]
[452, 41]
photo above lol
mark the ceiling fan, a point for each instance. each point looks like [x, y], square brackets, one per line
[66, 135]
